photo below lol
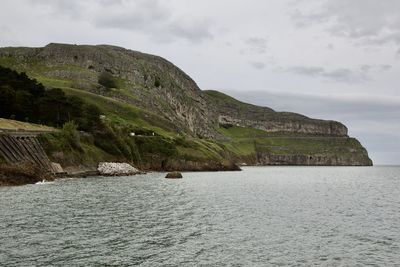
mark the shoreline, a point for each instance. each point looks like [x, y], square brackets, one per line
[23, 174]
[30, 174]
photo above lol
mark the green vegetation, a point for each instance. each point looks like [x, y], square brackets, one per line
[246, 142]
[24, 99]
[153, 99]
[222, 97]
[25, 126]
[107, 80]
[241, 132]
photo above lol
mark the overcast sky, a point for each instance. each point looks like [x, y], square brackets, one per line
[330, 59]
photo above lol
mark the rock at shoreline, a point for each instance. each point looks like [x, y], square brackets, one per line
[174, 175]
[116, 169]
[21, 174]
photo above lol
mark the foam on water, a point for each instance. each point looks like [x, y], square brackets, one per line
[44, 182]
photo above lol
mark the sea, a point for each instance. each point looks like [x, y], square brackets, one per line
[261, 216]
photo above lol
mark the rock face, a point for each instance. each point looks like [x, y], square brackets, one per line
[163, 92]
[116, 169]
[315, 160]
[233, 112]
[155, 83]
[159, 86]
[21, 174]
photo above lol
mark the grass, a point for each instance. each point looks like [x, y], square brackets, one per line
[241, 132]
[88, 153]
[124, 114]
[221, 97]
[14, 125]
[247, 141]
[125, 117]
[294, 145]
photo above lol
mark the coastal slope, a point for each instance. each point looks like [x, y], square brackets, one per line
[152, 98]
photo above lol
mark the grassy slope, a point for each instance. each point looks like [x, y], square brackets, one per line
[14, 125]
[245, 142]
[126, 115]
[239, 142]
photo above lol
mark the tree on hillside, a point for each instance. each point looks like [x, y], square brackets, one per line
[7, 101]
[25, 99]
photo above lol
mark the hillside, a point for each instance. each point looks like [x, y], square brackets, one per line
[146, 94]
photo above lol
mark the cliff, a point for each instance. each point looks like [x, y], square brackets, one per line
[146, 81]
[153, 98]
[233, 112]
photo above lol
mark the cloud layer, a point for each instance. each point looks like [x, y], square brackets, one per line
[367, 21]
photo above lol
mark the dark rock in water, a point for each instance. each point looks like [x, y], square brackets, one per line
[174, 175]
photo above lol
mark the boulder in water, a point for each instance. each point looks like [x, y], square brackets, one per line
[174, 175]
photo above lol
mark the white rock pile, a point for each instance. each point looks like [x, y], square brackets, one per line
[116, 168]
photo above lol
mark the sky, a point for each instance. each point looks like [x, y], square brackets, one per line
[328, 59]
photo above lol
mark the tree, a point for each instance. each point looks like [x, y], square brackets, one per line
[23, 105]
[70, 136]
[7, 101]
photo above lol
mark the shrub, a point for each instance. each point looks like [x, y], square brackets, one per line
[107, 80]
[70, 136]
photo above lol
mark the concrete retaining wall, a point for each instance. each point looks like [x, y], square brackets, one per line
[19, 148]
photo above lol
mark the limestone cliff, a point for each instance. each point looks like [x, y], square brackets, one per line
[161, 96]
[233, 112]
[147, 81]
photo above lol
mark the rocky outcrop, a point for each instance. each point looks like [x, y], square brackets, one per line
[290, 125]
[314, 160]
[149, 81]
[155, 84]
[116, 169]
[21, 174]
[167, 98]
[232, 112]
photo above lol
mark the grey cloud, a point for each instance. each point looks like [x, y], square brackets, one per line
[378, 68]
[346, 75]
[257, 65]
[309, 71]
[369, 21]
[195, 31]
[255, 45]
[153, 18]
[156, 20]
[302, 19]
[339, 75]
[385, 67]
[143, 15]
[72, 8]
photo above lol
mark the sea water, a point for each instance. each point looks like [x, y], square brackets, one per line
[261, 216]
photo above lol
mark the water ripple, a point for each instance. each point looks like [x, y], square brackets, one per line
[263, 216]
